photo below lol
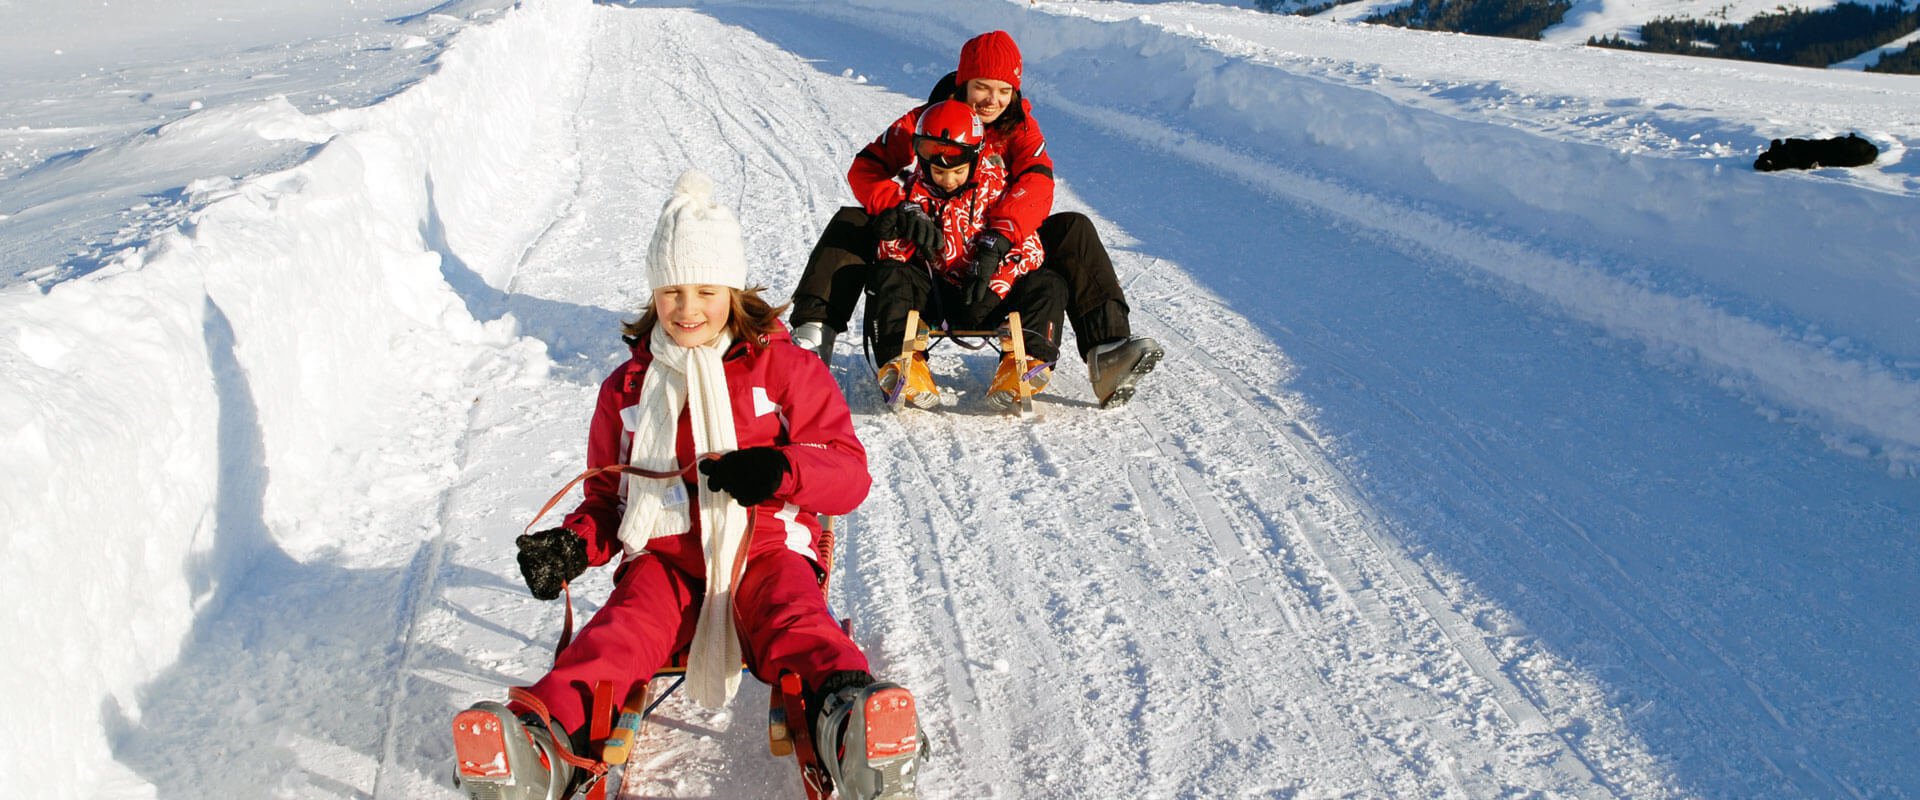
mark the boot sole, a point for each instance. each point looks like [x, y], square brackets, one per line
[484, 760]
[1123, 391]
[893, 741]
[480, 747]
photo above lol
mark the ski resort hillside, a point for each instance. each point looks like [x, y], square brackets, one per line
[1514, 437]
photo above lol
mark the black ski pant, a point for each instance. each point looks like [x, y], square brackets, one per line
[837, 271]
[1039, 296]
[840, 267]
[1097, 307]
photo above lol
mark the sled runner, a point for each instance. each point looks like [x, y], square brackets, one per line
[920, 338]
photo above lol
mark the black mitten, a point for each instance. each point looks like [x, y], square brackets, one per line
[551, 558]
[751, 475]
[988, 250]
[923, 231]
[886, 226]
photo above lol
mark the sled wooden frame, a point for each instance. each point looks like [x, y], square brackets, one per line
[920, 336]
[787, 733]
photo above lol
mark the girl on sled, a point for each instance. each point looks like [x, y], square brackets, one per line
[721, 562]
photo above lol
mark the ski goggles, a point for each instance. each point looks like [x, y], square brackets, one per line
[944, 152]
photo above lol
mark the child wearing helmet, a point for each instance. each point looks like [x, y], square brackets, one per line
[988, 80]
[939, 254]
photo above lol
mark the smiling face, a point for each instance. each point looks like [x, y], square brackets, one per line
[694, 314]
[989, 98]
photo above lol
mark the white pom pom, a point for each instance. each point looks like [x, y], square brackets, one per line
[694, 184]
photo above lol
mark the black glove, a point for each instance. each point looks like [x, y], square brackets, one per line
[910, 222]
[551, 558]
[751, 475]
[988, 249]
[886, 226]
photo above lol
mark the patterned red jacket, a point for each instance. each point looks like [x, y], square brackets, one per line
[1021, 151]
[783, 397]
[962, 217]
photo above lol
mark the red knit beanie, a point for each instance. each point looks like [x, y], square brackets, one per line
[990, 55]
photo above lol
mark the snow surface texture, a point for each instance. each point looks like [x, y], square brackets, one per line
[1514, 437]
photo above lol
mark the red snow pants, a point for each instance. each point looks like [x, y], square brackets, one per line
[781, 614]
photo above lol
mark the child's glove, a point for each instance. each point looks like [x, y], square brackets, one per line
[551, 558]
[910, 222]
[751, 475]
[988, 249]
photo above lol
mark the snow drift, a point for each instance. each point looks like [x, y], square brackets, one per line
[174, 413]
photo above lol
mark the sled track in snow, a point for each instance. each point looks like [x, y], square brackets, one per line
[1004, 615]
[1652, 634]
[1347, 553]
[422, 587]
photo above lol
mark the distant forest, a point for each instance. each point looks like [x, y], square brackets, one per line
[1794, 36]
[1513, 19]
[1791, 36]
[1905, 62]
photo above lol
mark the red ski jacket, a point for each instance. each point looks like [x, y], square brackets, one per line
[1021, 151]
[962, 217]
[783, 397]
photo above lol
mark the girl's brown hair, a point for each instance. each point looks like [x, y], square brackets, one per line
[751, 319]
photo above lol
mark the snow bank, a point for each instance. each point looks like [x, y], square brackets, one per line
[173, 414]
[1801, 293]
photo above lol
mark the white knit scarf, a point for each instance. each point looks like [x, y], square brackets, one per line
[678, 377]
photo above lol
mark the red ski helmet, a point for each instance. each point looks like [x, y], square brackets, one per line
[948, 134]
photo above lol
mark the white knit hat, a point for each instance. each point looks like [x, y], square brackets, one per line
[697, 240]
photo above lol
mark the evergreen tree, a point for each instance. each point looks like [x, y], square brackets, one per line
[1514, 19]
[1793, 36]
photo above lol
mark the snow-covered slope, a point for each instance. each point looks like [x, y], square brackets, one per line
[1452, 484]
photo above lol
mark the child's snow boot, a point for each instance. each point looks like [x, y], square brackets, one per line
[920, 390]
[1115, 366]
[869, 740]
[816, 336]
[499, 756]
[1004, 393]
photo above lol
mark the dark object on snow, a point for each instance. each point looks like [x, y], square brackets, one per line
[551, 558]
[1851, 151]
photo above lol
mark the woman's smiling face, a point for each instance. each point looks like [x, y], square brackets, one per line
[989, 98]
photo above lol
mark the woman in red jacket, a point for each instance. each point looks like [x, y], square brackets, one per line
[728, 570]
[989, 81]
